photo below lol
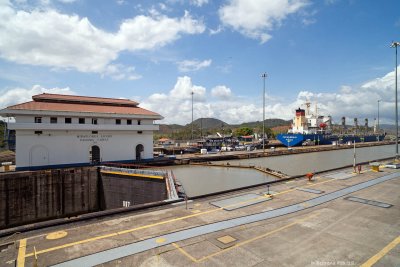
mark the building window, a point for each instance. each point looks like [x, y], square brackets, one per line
[94, 121]
[68, 120]
[38, 119]
[139, 122]
[38, 132]
[139, 132]
[81, 120]
[53, 120]
[95, 132]
[129, 122]
[118, 121]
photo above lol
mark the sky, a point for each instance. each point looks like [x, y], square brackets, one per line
[335, 53]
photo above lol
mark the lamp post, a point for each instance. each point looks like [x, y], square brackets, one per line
[192, 93]
[395, 45]
[264, 76]
[378, 114]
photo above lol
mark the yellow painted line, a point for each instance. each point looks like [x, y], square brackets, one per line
[151, 225]
[21, 253]
[374, 259]
[257, 237]
[310, 185]
[161, 240]
[242, 243]
[185, 253]
[119, 233]
[196, 211]
[134, 174]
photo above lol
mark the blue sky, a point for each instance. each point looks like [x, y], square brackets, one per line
[334, 52]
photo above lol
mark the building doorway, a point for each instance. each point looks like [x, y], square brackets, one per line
[39, 156]
[95, 154]
[139, 151]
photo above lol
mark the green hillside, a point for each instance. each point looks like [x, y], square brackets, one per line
[210, 126]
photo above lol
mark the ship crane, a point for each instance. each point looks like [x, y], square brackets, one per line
[308, 105]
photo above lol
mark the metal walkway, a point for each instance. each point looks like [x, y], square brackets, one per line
[151, 243]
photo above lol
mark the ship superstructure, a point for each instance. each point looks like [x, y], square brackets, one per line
[311, 128]
[306, 122]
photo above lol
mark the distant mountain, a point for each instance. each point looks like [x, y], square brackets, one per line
[269, 123]
[389, 128]
[217, 125]
[208, 123]
[170, 128]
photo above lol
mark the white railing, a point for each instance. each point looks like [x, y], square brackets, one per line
[172, 194]
[135, 171]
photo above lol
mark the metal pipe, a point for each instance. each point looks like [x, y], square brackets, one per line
[378, 115]
[192, 93]
[395, 45]
[264, 75]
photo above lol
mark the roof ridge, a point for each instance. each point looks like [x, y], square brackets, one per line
[46, 97]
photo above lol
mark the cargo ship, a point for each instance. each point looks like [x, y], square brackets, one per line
[311, 129]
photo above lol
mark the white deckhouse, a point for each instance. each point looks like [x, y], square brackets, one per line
[64, 131]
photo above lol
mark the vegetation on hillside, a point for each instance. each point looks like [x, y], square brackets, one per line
[210, 126]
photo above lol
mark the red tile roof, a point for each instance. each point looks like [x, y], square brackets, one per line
[51, 102]
[83, 99]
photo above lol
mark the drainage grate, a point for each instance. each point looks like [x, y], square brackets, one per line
[225, 241]
[238, 202]
[340, 175]
[369, 202]
[309, 190]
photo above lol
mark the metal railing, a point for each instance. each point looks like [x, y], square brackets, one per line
[135, 171]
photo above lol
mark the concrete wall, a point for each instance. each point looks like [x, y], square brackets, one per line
[35, 196]
[73, 147]
[28, 197]
[125, 191]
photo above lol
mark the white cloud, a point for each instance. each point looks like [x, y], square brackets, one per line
[49, 38]
[121, 72]
[67, 1]
[183, 90]
[358, 102]
[193, 65]
[255, 18]
[221, 91]
[216, 31]
[20, 95]
[176, 106]
[199, 3]
[307, 21]
[351, 102]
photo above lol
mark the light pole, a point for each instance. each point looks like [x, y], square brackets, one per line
[264, 76]
[395, 45]
[192, 93]
[378, 115]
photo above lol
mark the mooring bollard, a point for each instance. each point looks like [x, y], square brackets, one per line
[310, 175]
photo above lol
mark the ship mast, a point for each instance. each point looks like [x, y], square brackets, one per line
[308, 105]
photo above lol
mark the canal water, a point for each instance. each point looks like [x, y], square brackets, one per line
[202, 180]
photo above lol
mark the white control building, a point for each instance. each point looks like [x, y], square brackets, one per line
[65, 131]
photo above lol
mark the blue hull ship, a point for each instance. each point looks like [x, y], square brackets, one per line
[296, 139]
[313, 129]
